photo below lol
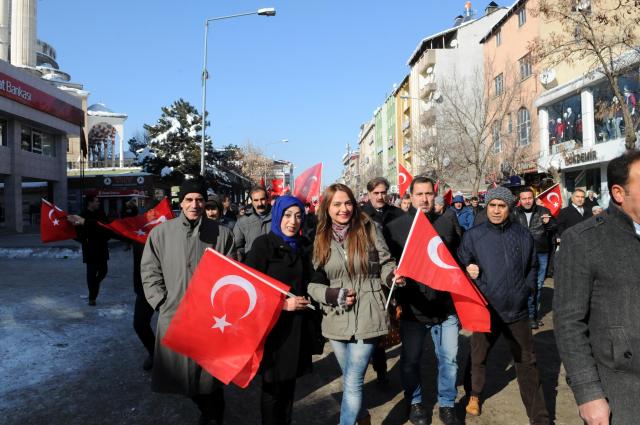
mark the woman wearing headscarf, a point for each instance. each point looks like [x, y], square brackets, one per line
[352, 262]
[286, 256]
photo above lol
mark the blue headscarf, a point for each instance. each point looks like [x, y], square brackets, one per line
[279, 207]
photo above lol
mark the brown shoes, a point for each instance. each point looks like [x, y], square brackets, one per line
[473, 406]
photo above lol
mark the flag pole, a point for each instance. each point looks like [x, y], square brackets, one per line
[249, 272]
[550, 188]
[393, 283]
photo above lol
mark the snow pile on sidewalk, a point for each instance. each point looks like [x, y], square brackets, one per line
[39, 253]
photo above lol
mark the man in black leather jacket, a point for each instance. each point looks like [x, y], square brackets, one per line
[542, 225]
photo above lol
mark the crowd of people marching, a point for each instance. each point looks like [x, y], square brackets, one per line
[342, 257]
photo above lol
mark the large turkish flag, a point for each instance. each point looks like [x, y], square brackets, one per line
[54, 225]
[137, 228]
[552, 199]
[277, 186]
[427, 260]
[307, 185]
[404, 179]
[224, 318]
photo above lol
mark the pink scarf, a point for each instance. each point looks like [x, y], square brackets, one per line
[339, 231]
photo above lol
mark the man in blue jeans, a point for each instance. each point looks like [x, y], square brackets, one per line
[425, 310]
[541, 224]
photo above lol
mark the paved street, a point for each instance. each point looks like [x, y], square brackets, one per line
[63, 362]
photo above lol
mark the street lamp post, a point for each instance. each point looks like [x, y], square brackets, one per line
[268, 11]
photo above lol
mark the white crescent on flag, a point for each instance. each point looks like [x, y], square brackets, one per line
[158, 220]
[404, 178]
[221, 322]
[432, 251]
[551, 195]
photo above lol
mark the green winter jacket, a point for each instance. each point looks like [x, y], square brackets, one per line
[367, 318]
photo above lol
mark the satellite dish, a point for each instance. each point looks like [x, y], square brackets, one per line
[547, 76]
[430, 70]
[437, 96]
[454, 43]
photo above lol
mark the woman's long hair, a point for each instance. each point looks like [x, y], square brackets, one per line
[358, 237]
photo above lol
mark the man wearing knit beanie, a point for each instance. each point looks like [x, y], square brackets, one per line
[170, 256]
[500, 257]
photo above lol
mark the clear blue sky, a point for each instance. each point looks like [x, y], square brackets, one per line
[312, 74]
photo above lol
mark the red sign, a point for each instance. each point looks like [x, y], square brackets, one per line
[37, 99]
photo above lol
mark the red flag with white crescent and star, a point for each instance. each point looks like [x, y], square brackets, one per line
[137, 228]
[307, 185]
[277, 186]
[54, 225]
[404, 179]
[552, 199]
[427, 260]
[224, 318]
[448, 197]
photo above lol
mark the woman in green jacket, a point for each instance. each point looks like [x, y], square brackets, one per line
[352, 256]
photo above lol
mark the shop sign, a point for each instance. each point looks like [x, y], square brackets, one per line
[579, 158]
[37, 99]
[121, 181]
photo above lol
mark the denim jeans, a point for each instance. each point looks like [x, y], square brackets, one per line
[445, 341]
[353, 357]
[543, 261]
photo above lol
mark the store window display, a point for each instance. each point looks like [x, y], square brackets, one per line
[609, 119]
[565, 124]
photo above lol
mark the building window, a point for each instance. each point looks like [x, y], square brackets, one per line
[608, 110]
[498, 38]
[509, 123]
[522, 16]
[499, 81]
[35, 141]
[525, 66]
[524, 127]
[495, 136]
[3, 133]
[565, 124]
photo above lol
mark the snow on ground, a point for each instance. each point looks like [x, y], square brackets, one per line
[39, 253]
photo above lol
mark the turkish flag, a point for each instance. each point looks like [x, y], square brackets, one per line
[307, 184]
[427, 260]
[448, 197]
[54, 225]
[404, 179]
[137, 228]
[436, 186]
[224, 318]
[552, 199]
[277, 186]
[262, 184]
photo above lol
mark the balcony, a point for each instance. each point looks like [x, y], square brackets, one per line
[406, 149]
[428, 116]
[427, 89]
[406, 105]
[428, 59]
[406, 126]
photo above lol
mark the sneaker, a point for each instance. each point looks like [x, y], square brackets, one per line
[148, 363]
[382, 380]
[533, 324]
[473, 406]
[448, 416]
[540, 323]
[417, 414]
[92, 302]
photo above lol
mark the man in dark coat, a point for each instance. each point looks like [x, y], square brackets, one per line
[597, 302]
[381, 213]
[170, 257]
[500, 256]
[574, 213]
[256, 222]
[542, 225]
[94, 239]
[425, 310]
[591, 200]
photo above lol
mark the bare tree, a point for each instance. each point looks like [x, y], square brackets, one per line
[255, 165]
[469, 107]
[601, 34]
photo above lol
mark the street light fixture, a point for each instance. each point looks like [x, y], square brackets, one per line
[265, 11]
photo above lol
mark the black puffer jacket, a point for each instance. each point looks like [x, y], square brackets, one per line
[541, 232]
[420, 302]
[508, 266]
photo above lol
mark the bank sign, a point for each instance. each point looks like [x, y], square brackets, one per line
[37, 99]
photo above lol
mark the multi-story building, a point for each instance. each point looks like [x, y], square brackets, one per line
[351, 169]
[403, 125]
[580, 120]
[446, 58]
[512, 87]
[367, 155]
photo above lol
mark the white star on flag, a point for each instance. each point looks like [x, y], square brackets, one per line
[55, 222]
[221, 323]
[140, 232]
[555, 204]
